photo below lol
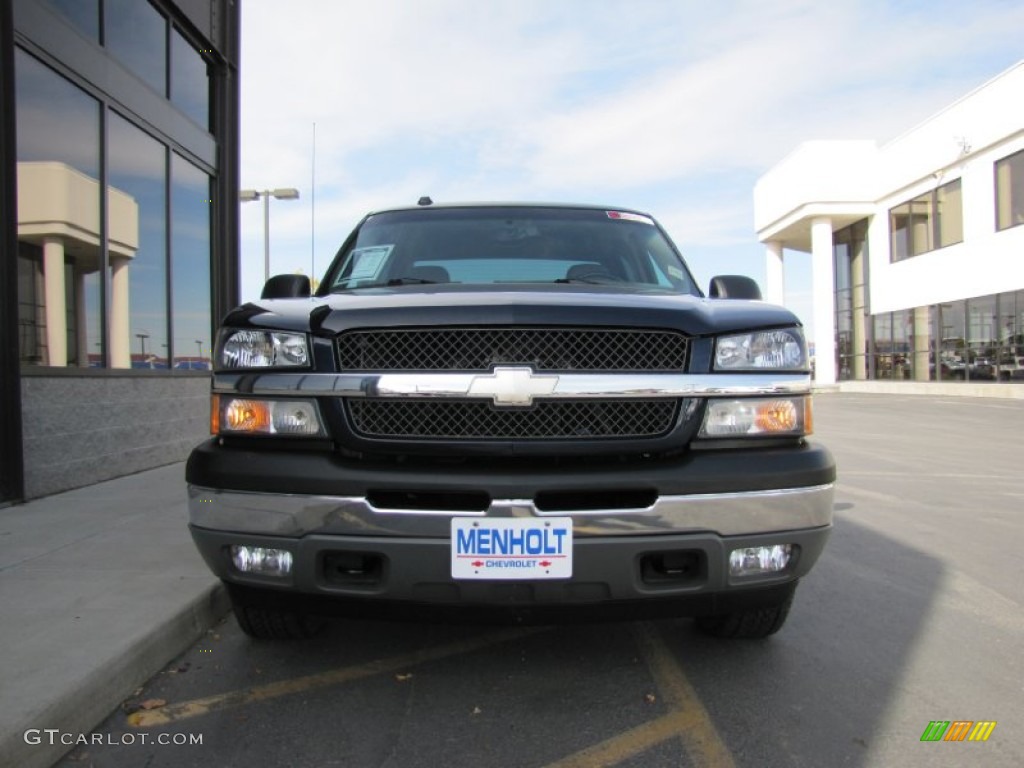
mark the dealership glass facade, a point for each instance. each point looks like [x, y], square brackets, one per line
[120, 182]
[123, 279]
[975, 339]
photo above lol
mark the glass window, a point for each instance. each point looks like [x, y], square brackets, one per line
[899, 228]
[982, 338]
[952, 364]
[921, 220]
[190, 80]
[902, 344]
[1010, 191]
[495, 245]
[843, 305]
[932, 220]
[136, 34]
[137, 211]
[949, 214]
[58, 134]
[84, 14]
[882, 335]
[190, 265]
[31, 304]
[1010, 361]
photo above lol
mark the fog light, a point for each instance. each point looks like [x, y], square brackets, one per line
[262, 560]
[751, 561]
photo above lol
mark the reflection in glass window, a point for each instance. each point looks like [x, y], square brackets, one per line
[899, 232]
[882, 335]
[58, 134]
[982, 338]
[190, 265]
[920, 225]
[1010, 191]
[952, 363]
[932, 220]
[1010, 361]
[843, 305]
[84, 14]
[138, 170]
[949, 214]
[137, 35]
[190, 81]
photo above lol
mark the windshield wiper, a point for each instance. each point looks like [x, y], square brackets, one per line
[394, 281]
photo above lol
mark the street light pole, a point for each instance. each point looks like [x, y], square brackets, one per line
[282, 193]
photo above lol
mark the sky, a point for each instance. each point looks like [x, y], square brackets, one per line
[674, 107]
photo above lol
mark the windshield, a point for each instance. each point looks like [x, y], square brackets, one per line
[510, 245]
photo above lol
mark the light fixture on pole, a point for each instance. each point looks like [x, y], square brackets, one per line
[248, 195]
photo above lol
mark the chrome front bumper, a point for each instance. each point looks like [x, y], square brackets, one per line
[727, 514]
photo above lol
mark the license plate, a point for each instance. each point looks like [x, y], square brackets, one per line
[512, 548]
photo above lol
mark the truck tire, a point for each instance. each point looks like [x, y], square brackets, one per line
[754, 624]
[265, 623]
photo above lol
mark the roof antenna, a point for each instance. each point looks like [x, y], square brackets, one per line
[425, 200]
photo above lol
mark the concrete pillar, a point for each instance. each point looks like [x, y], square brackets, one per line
[775, 280]
[922, 343]
[120, 328]
[81, 321]
[56, 305]
[824, 299]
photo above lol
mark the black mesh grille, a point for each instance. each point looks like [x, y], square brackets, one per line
[546, 419]
[543, 349]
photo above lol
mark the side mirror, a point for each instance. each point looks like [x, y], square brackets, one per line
[287, 287]
[734, 287]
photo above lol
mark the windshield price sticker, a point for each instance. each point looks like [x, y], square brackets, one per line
[512, 548]
[367, 261]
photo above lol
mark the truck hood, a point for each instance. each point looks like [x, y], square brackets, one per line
[560, 305]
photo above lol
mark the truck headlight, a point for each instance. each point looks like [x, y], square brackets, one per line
[781, 349]
[766, 416]
[263, 349]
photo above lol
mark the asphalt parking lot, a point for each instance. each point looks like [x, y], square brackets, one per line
[913, 615]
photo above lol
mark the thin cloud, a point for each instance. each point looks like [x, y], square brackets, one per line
[676, 107]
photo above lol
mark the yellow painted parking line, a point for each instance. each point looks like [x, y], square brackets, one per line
[187, 709]
[687, 718]
[629, 744]
[699, 735]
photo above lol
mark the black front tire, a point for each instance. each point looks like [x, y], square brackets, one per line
[753, 624]
[267, 623]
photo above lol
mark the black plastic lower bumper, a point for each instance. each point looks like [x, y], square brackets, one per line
[679, 574]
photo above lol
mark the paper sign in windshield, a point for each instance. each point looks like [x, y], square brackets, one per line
[368, 261]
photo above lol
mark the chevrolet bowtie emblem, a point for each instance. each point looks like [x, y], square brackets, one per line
[513, 386]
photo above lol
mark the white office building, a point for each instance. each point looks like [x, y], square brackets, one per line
[916, 246]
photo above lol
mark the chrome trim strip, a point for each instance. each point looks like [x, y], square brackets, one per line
[573, 386]
[728, 514]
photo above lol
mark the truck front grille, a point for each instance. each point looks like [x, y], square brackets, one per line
[543, 349]
[480, 420]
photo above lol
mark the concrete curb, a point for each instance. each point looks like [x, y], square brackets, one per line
[994, 390]
[106, 686]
